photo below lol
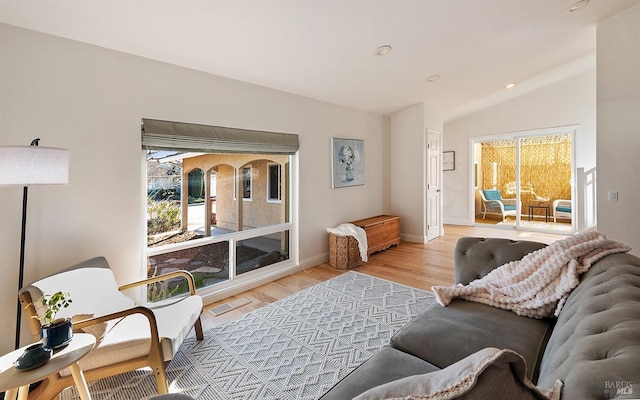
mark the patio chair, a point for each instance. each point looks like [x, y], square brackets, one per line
[493, 203]
[130, 335]
[561, 209]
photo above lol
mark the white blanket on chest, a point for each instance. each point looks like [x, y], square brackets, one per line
[537, 285]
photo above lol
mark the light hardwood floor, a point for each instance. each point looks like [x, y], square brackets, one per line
[413, 264]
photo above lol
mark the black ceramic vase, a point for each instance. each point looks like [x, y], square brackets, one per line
[34, 356]
[57, 334]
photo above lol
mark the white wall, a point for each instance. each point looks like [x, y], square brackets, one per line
[570, 101]
[91, 101]
[407, 157]
[407, 127]
[618, 48]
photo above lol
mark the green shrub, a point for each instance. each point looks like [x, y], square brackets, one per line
[164, 216]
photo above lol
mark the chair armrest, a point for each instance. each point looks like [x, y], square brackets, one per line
[475, 257]
[185, 274]
[493, 204]
[561, 203]
[121, 314]
[510, 202]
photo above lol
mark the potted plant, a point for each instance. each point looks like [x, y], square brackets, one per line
[55, 332]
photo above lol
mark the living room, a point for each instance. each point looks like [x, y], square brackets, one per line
[90, 100]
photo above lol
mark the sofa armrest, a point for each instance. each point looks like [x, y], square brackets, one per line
[475, 257]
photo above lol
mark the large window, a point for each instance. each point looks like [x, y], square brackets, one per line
[197, 221]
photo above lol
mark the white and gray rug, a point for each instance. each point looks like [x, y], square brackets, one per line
[295, 348]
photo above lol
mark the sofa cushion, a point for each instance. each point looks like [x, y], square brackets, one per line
[488, 374]
[445, 335]
[386, 365]
[595, 346]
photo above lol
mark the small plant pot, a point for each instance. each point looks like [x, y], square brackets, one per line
[57, 334]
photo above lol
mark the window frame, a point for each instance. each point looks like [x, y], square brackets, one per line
[247, 182]
[271, 199]
[238, 283]
[180, 137]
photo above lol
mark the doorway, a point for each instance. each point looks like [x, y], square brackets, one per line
[524, 181]
[433, 211]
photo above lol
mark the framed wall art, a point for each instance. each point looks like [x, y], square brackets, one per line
[347, 162]
[448, 160]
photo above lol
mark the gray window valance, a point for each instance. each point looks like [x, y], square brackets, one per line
[181, 136]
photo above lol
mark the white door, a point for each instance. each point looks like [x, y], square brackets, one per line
[434, 186]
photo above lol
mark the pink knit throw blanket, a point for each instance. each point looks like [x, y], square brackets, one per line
[537, 285]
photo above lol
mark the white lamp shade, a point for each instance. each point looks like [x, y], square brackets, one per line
[33, 165]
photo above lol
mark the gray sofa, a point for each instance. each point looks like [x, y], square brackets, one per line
[593, 346]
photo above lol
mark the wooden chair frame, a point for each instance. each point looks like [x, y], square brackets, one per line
[54, 384]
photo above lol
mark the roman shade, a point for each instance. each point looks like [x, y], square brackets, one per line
[181, 136]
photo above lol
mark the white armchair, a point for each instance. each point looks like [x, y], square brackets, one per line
[561, 209]
[493, 203]
[129, 335]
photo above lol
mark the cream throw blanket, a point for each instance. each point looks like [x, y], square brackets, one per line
[356, 232]
[537, 285]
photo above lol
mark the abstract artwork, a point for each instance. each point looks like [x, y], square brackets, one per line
[347, 162]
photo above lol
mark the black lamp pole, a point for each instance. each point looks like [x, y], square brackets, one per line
[25, 191]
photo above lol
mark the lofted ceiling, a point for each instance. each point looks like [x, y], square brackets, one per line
[325, 49]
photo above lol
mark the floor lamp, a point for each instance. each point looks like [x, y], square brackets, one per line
[31, 166]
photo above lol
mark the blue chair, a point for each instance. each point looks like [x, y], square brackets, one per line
[561, 209]
[493, 203]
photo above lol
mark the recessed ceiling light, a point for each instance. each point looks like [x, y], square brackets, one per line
[510, 85]
[383, 50]
[578, 5]
[433, 78]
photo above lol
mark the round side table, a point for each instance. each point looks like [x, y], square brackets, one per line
[16, 383]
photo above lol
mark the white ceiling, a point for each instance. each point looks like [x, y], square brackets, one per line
[325, 49]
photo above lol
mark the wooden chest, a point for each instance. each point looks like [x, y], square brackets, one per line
[382, 231]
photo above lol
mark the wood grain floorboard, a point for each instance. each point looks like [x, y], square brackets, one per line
[413, 264]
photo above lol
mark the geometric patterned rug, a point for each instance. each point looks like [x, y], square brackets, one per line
[295, 348]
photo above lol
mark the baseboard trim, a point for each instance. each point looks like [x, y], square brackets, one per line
[457, 221]
[412, 238]
[315, 260]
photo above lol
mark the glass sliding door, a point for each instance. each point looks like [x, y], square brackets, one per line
[523, 180]
[545, 178]
[496, 202]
